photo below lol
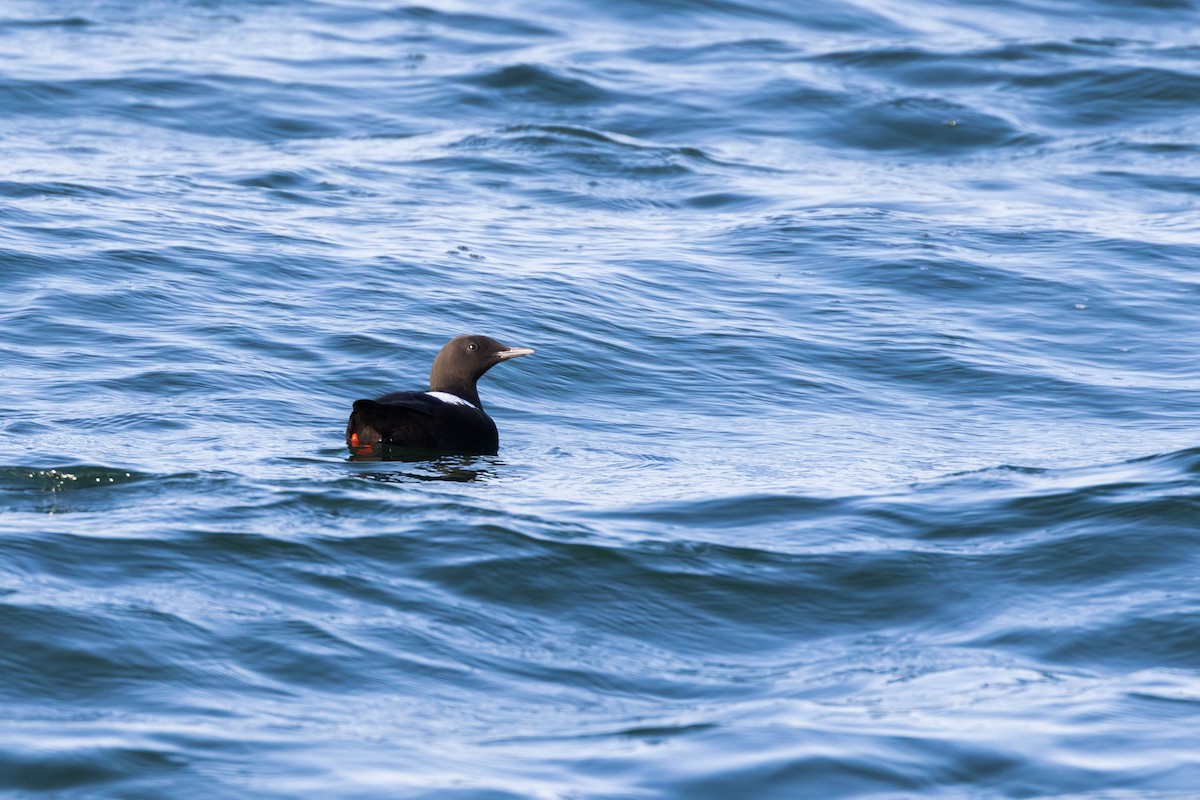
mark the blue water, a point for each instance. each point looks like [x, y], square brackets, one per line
[860, 455]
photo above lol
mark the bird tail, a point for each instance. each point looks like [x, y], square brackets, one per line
[359, 431]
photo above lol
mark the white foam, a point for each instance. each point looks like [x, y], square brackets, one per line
[446, 397]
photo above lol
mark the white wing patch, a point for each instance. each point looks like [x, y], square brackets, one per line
[446, 397]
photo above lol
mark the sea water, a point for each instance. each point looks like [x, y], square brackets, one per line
[859, 457]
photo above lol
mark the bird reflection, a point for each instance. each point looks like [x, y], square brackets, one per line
[423, 466]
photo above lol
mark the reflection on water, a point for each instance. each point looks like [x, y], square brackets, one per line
[427, 465]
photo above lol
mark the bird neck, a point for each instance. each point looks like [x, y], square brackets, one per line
[457, 386]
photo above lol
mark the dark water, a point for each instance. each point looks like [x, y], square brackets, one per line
[860, 455]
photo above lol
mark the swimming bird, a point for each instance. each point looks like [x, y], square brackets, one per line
[449, 417]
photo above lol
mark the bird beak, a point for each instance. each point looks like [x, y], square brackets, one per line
[513, 352]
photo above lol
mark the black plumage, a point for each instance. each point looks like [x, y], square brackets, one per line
[449, 417]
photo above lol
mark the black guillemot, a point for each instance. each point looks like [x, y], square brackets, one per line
[448, 418]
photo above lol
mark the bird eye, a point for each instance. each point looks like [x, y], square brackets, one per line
[472, 346]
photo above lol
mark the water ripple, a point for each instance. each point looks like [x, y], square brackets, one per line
[858, 455]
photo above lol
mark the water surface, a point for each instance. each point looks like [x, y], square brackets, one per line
[858, 457]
